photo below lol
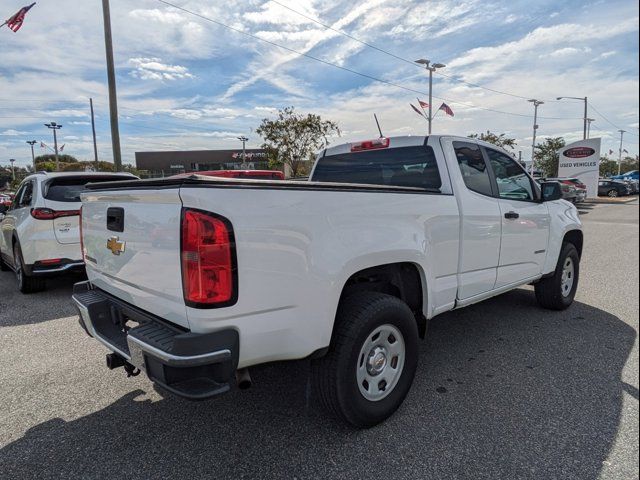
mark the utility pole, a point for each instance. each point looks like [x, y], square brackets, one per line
[243, 139]
[431, 67]
[536, 104]
[586, 116]
[111, 77]
[622, 132]
[54, 126]
[13, 173]
[93, 131]
[33, 155]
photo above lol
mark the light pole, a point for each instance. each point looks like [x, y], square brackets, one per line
[33, 155]
[586, 118]
[536, 104]
[111, 79]
[54, 126]
[589, 120]
[13, 173]
[243, 139]
[432, 67]
[622, 132]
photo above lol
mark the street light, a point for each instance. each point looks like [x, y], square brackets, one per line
[432, 67]
[13, 173]
[586, 119]
[33, 156]
[243, 139]
[536, 104]
[622, 132]
[54, 126]
[589, 120]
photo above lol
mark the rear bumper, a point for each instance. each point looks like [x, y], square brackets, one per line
[193, 366]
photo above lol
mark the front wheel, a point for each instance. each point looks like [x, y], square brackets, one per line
[612, 193]
[372, 359]
[558, 291]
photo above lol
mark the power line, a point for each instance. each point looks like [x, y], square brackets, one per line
[340, 67]
[386, 52]
[609, 121]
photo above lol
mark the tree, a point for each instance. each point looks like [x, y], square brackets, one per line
[62, 158]
[500, 140]
[292, 139]
[608, 167]
[546, 156]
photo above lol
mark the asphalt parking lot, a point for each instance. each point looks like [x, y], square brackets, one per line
[503, 390]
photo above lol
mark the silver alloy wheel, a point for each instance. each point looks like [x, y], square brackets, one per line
[17, 265]
[568, 274]
[380, 362]
[613, 193]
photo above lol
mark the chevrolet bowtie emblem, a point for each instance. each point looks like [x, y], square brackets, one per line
[115, 245]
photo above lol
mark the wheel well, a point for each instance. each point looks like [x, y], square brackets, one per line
[576, 238]
[402, 280]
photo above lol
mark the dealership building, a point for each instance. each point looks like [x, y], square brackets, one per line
[165, 163]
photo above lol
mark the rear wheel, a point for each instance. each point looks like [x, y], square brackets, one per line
[558, 291]
[612, 193]
[26, 283]
[371, 361]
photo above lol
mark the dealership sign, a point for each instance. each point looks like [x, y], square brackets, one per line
[581, 160]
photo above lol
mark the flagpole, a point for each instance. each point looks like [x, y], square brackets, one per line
[111, 77]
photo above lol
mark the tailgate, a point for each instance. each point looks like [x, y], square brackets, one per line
[132, 248]
[66, 228]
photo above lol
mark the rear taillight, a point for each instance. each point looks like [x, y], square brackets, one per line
[209, 275]
[49, 214]
[370, 144]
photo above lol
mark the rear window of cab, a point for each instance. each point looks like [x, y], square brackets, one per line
[68, 189]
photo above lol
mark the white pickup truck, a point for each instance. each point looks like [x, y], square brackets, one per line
[195, 279]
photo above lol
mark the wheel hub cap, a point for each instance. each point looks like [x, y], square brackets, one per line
[380, 362]
[568, 275]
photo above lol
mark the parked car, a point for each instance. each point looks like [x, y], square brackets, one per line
[39, 234]
[581, 188]
[246, 174]
[612, 188]
[345, 269]
[630, 175]
[6, 199]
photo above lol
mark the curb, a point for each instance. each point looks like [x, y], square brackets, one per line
[612, 201]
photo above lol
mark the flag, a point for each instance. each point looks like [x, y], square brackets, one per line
[423, 104]
[62, 147]
[610, 152]
[446, 109]
[625, 150]
[42, 145]
[15, 22]
[416, 110]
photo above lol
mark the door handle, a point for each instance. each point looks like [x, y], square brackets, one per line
[511, 215]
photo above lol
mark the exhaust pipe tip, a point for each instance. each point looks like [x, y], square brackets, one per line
[243, 379]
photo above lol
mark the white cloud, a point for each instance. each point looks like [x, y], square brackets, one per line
[154, 69]
[11, 132]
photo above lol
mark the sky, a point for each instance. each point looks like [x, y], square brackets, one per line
[186, 82]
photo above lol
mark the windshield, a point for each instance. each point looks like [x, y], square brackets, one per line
[68, 189]
[403, 167]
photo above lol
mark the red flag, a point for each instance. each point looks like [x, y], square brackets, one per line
[423, 104]
[62, 147]
[416, 110]
[42, 145]
[15, 22]
[446, 109]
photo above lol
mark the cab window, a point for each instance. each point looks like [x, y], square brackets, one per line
[473, 167]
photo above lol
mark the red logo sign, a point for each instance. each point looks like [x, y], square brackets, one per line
[579, 152]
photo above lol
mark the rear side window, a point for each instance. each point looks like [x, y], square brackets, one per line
[69, 189]
[473, 167]
[402, 167]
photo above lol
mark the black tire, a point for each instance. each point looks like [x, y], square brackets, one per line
[26, 283]
[335, 374]
[612, 193]
[550, 291]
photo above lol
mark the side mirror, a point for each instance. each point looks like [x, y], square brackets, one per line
[551, 191]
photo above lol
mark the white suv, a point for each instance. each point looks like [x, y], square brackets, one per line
[39, 232]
